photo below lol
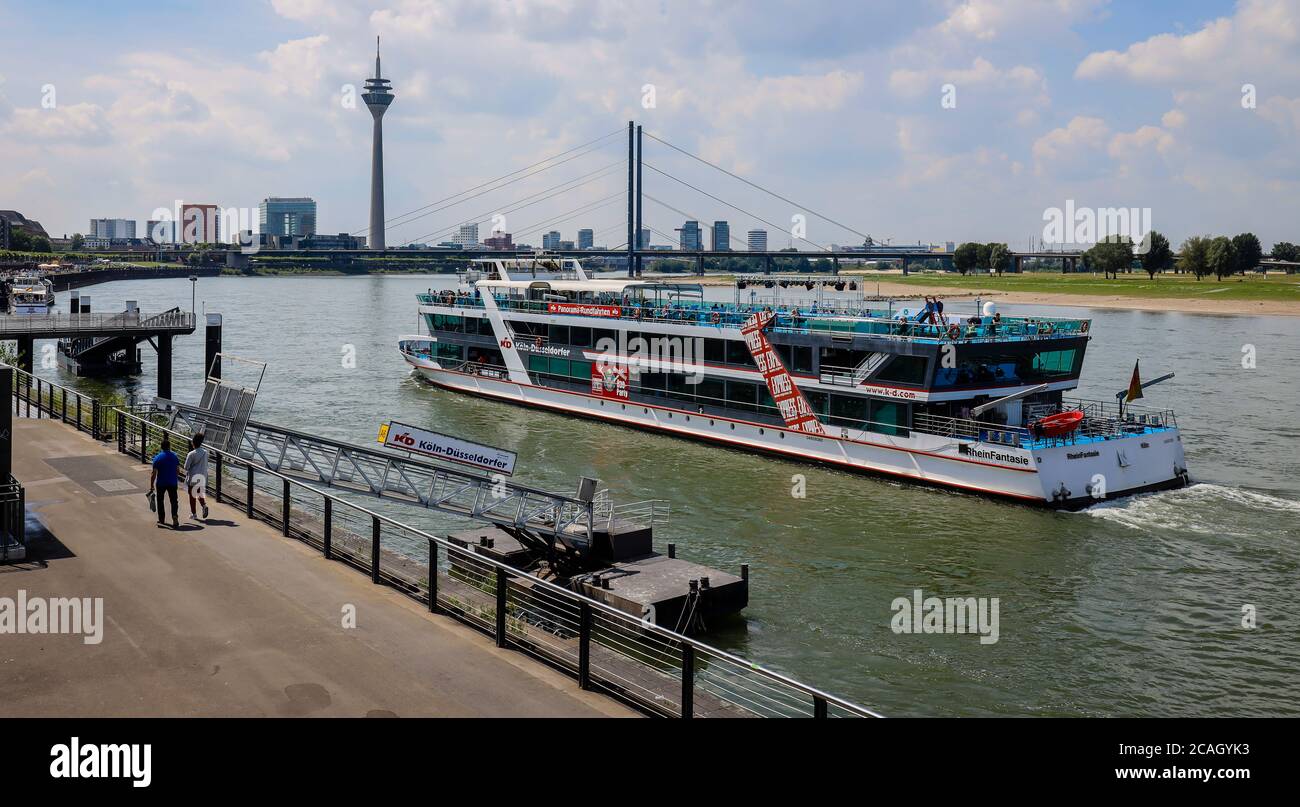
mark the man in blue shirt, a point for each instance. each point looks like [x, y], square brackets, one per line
[164, 480]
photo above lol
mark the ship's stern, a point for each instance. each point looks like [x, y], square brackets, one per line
[1076, 474]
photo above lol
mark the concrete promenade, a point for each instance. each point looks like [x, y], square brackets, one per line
[230, 618]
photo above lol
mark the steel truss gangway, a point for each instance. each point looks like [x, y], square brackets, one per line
[536, 517]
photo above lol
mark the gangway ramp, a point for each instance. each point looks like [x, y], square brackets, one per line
[569, 520]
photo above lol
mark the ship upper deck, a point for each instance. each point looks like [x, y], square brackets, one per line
[647, 303]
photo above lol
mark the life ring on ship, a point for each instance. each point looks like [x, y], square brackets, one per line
[715, 318]
[954, 332]
[538, 342]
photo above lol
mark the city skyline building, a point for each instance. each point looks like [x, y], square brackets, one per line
[287, 216]
[586, 238]
[112, 228]
[721, 236]
[467, 234]
[378, 96]
[692, 239]
[757, 240]
[551, 240]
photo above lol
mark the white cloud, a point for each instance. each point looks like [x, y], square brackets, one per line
[1071, 145]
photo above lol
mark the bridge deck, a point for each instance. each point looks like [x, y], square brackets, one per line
[228, 618]
[57, 326]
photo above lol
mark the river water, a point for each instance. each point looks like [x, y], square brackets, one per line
[1128, 608]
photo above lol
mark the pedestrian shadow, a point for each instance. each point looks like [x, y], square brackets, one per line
[218, 522]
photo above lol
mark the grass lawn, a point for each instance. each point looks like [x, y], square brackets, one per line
[1254, 287]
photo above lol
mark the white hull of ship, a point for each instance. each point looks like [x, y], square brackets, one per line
[1061, 476]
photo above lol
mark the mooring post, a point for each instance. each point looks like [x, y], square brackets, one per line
[164, 365]
[329, 524]
[672, 550]
[501, 606]
[819, 707]
[688, 680]
[584, 645]
[374, 549]
[744, 572]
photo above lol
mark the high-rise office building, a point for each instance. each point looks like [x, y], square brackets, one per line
[467, 235]
[586, 239]
[112, 228]
[199, 224]
[551, 240]
[287, 216]
[691, 237]
[721, 236]
[643, 241]
[758, 240]
[161, 231]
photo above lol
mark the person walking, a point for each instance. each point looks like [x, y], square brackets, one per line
[163, 480]
[196, 474]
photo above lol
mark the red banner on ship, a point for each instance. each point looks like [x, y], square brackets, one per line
[582, 310]
[794, 408]
[609, 380]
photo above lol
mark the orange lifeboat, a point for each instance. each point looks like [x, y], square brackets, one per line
[1060, 424]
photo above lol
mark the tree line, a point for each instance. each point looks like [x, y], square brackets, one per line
[1199, 255]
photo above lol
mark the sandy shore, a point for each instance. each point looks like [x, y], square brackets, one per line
[1201, 305]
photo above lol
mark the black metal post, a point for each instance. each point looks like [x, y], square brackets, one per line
[217, 486]
[39, 399]
[78, 413]
[284, 509]
[688, 680]
[501, 607]
[819, 707]
[631, 193]
[433, 576]
[374, 549]
[639, 245]
[144, 437]
[6, 425]
[250, 490]
[329, 524]
[584, 645]
[65, 404]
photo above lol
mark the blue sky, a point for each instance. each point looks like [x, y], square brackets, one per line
[835, 105]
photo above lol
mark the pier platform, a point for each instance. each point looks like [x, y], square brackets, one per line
[230, 618]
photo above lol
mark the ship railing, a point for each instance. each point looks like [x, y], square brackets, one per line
[833, 324]
[478, 368]
[647, 513]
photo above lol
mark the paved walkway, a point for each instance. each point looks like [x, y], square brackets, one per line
[229, 618]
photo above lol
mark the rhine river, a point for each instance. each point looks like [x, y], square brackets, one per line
[1128, 608]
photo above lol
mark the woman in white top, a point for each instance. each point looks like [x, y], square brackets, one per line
[196, 474]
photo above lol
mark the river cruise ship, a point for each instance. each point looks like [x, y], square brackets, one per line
[803, 367]
[30, 294]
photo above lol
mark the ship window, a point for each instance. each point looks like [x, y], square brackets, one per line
[715, 351]
[652, 381]
[449, 351]
[447, 322]
[817, 400]
[580, 337]
[738, 353]
[904, 370]
[559, 334]
[848, 407]
[485, 327]
[888, 417]
[741, 395]
[559, 366]
[598, 335]
[711, 390]
[538, 364]
[803, 361]
[580, 370]
[1054, 362]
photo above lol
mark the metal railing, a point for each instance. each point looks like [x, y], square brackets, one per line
[127, 321]
[659, 671]
[832, 323]
[1101, 421]
[13, 536]
[33, 394]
